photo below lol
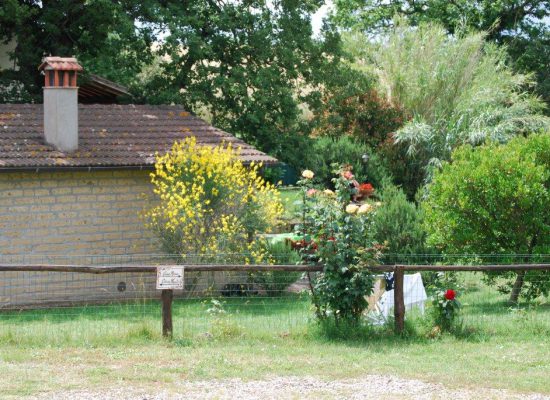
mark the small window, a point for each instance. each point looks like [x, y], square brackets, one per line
[51, 78]
[61, 78]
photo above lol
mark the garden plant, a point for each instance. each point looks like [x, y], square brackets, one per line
[210, 204]
[335, 233]
[500, 206]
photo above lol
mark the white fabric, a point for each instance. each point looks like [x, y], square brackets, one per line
[414, 294]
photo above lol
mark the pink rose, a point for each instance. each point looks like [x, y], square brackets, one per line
[311, 192]
[347, 174]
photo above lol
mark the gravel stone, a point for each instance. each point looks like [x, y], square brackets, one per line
[369, 387]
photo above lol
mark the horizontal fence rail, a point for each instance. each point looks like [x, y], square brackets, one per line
[106, 269]
[167, 295]
[480, 268]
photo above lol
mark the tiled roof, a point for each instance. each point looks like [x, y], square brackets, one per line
[94, 89]
[109, 135]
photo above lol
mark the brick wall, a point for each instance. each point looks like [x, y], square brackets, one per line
[74, 213]
[78, 218]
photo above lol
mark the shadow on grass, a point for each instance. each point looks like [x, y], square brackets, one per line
[113, 311]
[136, 311]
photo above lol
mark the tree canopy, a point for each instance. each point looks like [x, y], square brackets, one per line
[249, 66]
[103, 35]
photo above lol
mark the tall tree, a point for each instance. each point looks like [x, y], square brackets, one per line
[103, 34]
[250, 65]
[520, 24]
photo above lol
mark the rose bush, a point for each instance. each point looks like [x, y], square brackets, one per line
[335, 234]
[444, 289]
[446, 308]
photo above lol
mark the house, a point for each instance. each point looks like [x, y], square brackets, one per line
[74, 178]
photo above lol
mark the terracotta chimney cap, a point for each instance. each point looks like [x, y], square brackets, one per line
[60, 64]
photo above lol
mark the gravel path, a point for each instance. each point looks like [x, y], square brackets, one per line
[369, 387]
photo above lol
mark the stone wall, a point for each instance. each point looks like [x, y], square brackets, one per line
[74, 218]
[75, 213]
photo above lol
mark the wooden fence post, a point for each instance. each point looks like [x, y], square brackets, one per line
[166, 297]
[399, 299]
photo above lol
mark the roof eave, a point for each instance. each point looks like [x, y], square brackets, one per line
[140, 167]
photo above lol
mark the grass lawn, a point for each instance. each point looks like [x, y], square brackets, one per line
[289, 197]
[254, 338]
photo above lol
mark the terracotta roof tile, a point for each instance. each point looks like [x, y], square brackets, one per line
[109, 135]
[60, 63]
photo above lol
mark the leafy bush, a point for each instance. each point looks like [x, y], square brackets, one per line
[335, 233]
[327, 151]
[210, 203]
[360, 113]
[495, 200]
[398, 224]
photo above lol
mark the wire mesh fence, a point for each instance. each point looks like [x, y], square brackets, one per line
[51, 298]
[116, 298]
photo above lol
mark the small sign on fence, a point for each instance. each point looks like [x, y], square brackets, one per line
[169, 277]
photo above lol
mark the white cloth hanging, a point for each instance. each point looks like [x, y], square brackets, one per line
[413, 293]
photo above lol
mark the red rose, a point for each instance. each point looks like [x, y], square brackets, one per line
[450, 294]
[366, 189]
[308, 247]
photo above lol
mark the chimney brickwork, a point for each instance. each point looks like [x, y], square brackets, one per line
[61, 102]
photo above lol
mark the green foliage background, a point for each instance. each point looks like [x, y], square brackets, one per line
[495, 200]
[520, 25]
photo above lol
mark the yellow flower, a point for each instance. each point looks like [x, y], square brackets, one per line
[365, 208]
[328, 192]
[378, 203]
[352, 208]
[189, 181]
[308, 174]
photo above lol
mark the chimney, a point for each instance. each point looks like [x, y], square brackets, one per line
[60, 102]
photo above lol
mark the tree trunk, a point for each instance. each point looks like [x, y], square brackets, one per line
[516, 289]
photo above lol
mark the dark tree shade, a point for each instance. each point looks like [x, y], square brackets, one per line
[101, 33]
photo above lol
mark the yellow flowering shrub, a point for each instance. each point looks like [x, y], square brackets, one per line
[210, 202]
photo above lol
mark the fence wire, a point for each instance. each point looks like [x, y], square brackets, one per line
[83, 308]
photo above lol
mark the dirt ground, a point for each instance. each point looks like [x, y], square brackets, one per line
[368, 387]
